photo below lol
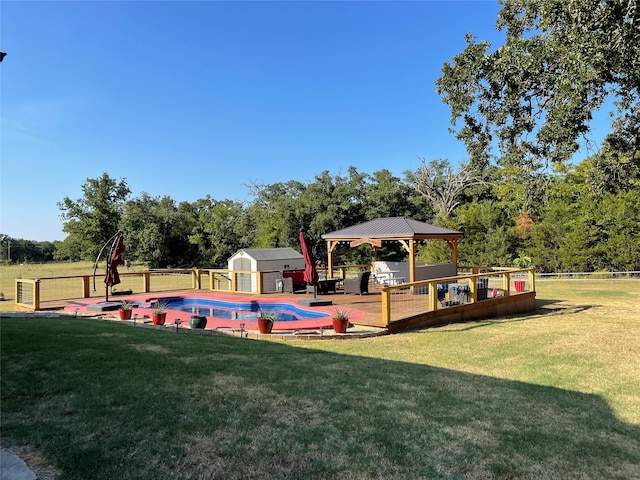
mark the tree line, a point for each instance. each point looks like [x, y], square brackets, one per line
[584, 219]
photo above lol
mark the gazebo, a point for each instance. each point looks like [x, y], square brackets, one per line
[407, 231]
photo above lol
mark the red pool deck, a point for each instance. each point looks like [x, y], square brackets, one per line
[144, 313]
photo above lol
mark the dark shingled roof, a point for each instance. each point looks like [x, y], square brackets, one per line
[391, 227]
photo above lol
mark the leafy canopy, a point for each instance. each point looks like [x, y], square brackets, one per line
[533, 97]
[91, 220]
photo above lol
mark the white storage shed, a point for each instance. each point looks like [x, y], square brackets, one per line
[275, 260]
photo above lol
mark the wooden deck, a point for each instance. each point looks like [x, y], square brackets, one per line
[368, 303]
[371, 305]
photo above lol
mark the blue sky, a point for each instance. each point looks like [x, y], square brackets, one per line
[189, 99]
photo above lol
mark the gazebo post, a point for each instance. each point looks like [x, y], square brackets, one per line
[330, 246]
[412, 261]
[410, 246]
[453, 245]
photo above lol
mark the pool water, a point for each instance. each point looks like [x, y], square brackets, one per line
[243, 311]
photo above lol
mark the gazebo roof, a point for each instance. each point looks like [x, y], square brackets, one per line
[392, 228]
[407, 231]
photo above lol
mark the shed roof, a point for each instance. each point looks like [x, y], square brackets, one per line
[391, 228]
[284, 253]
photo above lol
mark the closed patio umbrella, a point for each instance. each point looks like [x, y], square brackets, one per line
[115, 258]
[310, 272]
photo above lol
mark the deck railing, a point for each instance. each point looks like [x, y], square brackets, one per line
[35, 293]
[399, 302]
[404, 301]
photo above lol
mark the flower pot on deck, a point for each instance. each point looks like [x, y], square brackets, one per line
[519, 285]
[198, 321]
[159, 318]
[125, 314]
[340, 325]
[265, 325]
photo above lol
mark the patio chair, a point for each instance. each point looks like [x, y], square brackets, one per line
[358, 285]
[287, 285]
[442, 293]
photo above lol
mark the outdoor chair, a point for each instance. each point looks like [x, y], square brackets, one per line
[287, 285]
[297, 277]
[358, 285]
[442, 293]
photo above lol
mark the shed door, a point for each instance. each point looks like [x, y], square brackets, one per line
[243, 279]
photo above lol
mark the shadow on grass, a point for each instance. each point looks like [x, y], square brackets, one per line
[557, 307]
[104, 400]
[546, 301]
[544, 308]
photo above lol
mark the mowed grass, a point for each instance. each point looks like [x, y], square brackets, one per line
[551, 395]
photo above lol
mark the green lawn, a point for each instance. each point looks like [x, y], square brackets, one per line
[550, 395]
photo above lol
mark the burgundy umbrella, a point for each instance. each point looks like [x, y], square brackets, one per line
[310, 272]
[112, 278]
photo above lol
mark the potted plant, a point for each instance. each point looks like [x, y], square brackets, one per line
[522, 262]
[198, 321]
[340, 320]
[266, 321]
[1, 297]
[159, 313]
[125, 310]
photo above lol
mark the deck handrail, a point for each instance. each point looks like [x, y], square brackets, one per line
[388, 298]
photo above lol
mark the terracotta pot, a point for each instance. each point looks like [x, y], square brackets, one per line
[340, 325]
[158, 318]
[198, 321]
[265, 325]
[125, 314]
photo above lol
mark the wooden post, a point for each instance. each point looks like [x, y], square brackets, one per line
[331, 244]
[146, 282]
[196, 279]
[433, 296]
[412, 261]
[36, 294]
[473, 289]
[453, 245]
[86, 286]
[259, 281]
[532, 279]
[386, 306]
[506, 283]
